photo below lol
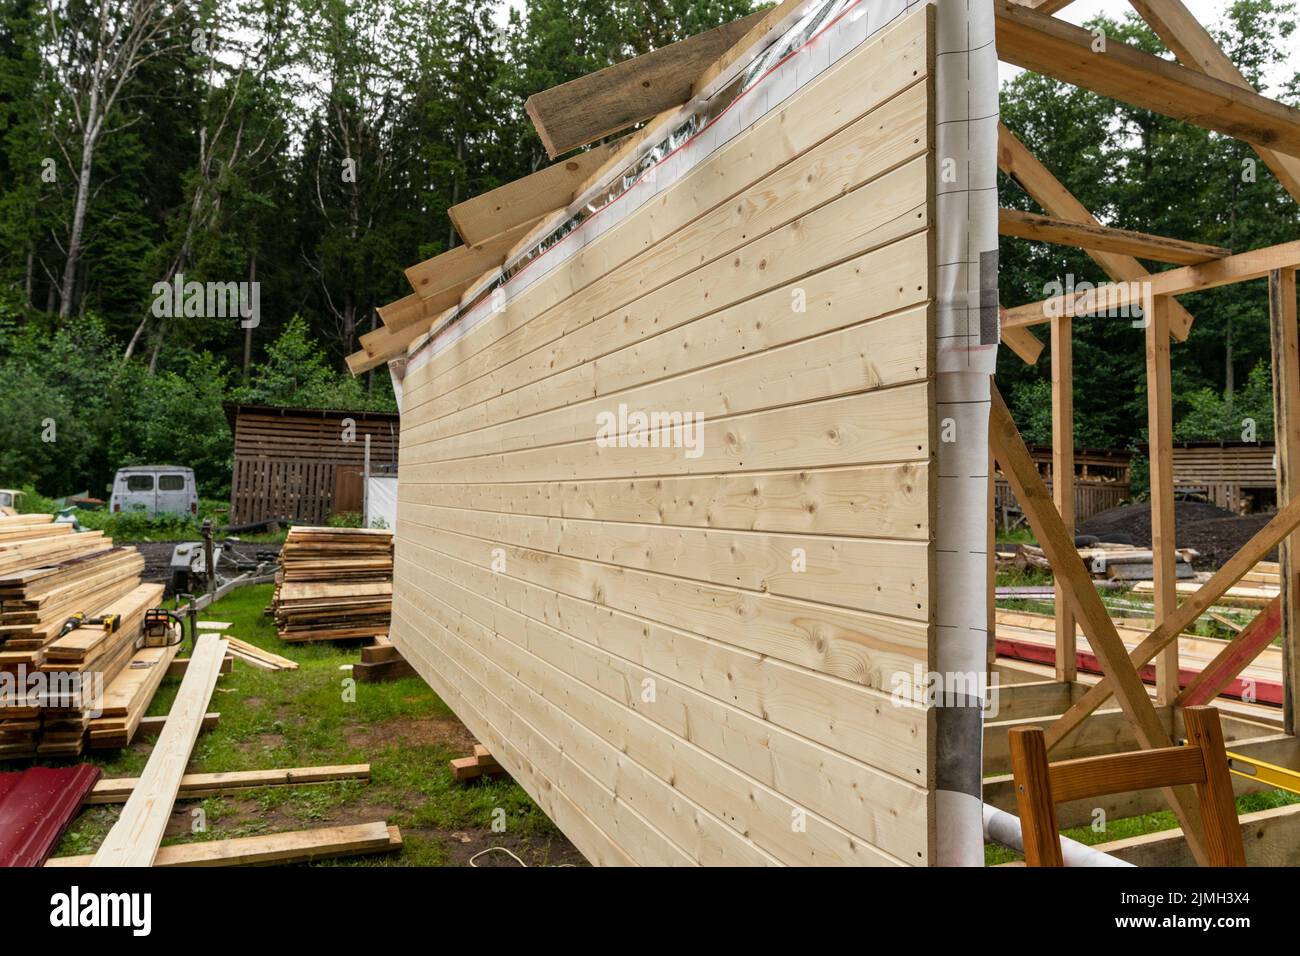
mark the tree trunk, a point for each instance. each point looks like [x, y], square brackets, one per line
[248, 332]
[79, 214]
[27, 279]
[135, 339]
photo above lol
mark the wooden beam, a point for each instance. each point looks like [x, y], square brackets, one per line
[1052, 47]
[195, 785]
[1063, 232]
[1285, 342]
[598, 104]
[1196, 49]
[1160, 439]
[771, 18]
[1016, 161]
[298, 846]
[1027, 484]
[409, 310]
[632, 143]
[1063, 480]
[383, 344]
[443, 278]
[1235, 656]
[529, 198]
[1242, 267]
[1021, 341]
[1250, 554]
[138, 832]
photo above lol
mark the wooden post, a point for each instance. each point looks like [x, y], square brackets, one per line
[1130, 692]
[1029, 769]
[1160, 442]
[1063, 478]
[1218, 806]
[1286, 431]
[992, 635]
[365, 486]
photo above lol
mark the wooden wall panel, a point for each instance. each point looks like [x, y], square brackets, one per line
[705, 658]
[287, 461]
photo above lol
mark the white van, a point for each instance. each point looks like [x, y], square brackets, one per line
[154, 490]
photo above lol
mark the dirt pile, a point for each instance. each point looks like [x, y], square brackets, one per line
[1215, 533]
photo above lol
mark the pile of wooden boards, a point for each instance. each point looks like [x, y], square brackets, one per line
[93, 683]
[1114, 562]
[334, 584]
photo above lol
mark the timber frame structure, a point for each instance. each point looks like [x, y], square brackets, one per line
[1080, 719]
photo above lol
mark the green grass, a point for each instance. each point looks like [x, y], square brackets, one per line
[303, 718]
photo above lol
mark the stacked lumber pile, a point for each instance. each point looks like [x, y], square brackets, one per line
[48, 574]
[334, 584]
[1114, 562]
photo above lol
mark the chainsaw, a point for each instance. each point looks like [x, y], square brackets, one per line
[162, 628]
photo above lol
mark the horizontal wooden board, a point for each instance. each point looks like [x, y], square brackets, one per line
[872, 76]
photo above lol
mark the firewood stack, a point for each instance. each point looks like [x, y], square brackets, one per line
[48, 574]
[334, 584]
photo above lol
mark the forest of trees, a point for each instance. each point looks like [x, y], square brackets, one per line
[314, 146]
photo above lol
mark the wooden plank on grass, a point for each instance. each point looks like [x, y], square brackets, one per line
[135, 838]
[299, 846]
[193, 785]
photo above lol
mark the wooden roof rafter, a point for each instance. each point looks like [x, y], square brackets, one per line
[513, 209]
[1028, 225]
[1016, 161]
[1195, 49]
[1255, 264]
[1052, 47]
[619, 96]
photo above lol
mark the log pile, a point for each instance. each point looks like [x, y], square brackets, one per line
[334, 584]
[58, 683]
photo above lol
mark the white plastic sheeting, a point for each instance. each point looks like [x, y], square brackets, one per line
[381, 502]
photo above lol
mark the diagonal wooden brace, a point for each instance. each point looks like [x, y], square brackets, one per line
[1234, 658]
[1251, 553]
[1077, 587]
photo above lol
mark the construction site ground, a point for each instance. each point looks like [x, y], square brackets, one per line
[1127, 517]
[1215, 533]
[301, 718]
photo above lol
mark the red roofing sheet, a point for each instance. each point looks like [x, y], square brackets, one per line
[36, 806]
